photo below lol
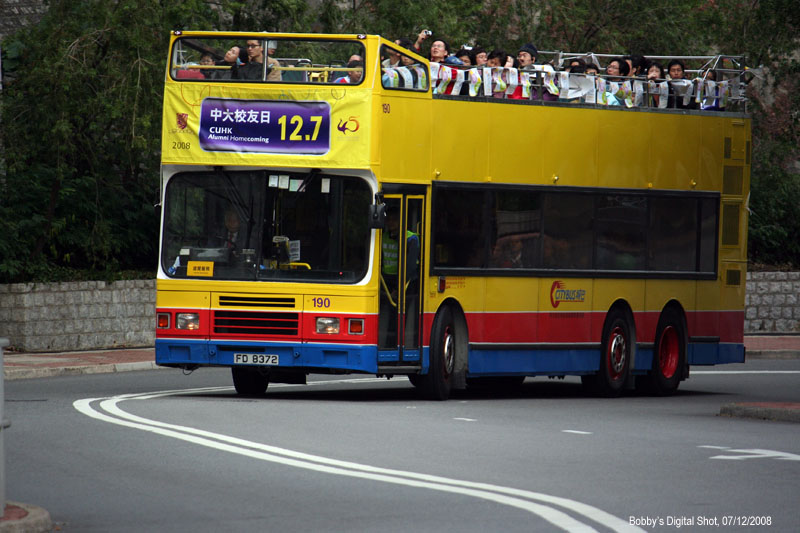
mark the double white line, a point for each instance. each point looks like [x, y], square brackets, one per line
[544, 506]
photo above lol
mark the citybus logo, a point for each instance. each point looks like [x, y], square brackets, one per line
[559, 293]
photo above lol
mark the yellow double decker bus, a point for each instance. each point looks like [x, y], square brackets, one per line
[337, 204]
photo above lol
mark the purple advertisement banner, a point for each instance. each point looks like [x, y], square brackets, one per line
[265, 126]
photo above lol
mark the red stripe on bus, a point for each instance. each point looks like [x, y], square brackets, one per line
[586, 327]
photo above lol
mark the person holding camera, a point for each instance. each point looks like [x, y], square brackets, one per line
[424, 34]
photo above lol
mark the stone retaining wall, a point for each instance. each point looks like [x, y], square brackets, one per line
[772, 302]
[93, 315]
[80, 315]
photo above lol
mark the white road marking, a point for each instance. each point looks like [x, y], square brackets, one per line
[108, 411]
[758, 454]
[466, 419]
[576, 432]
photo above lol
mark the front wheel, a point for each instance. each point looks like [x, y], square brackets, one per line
[617, 346]
[437, 383]
[249, 381]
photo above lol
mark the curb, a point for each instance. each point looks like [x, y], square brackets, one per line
[777, 411]
[13, 373]
[25, 518]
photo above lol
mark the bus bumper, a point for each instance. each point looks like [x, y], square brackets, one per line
[319, 356]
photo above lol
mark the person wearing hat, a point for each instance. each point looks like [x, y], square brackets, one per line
[274, 74]
[527, 55]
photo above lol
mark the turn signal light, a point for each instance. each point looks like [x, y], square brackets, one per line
[355, 326]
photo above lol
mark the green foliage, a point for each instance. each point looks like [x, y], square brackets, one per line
[775, 210]
[81, 113]
[81, 105]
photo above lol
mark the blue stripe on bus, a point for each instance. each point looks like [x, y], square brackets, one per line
[352, 357]
[715, 353]
[529, 362]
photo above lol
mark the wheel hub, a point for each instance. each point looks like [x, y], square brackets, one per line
[668, 352]
[448, 352]
[617, 352]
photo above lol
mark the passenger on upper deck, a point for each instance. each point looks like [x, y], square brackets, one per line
[616, 70]
[655, 72]
[479, 56]
[440, 53]
[273, 74]
[526, 57]
[255, 61]
[353, 76]
[676, 70]
[394, 57]
[575, 62]
[591, 69]
[465, 56]
[712, 102]
[499, 58]
[234, 57]
[424, 34]
[636, 64]
[207, 60]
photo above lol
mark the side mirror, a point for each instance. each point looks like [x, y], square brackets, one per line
[377, 216]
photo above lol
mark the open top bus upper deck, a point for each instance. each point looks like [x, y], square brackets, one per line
[303, 107]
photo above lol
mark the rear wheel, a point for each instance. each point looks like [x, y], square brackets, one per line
[437, 382]
[617, 345]
[669, 358]
[249, 381]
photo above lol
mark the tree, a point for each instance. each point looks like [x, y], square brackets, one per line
[81, 131]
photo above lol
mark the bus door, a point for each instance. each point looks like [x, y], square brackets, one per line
[401, 287]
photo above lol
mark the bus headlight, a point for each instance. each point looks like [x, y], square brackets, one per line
[187, 321]
[327, 325]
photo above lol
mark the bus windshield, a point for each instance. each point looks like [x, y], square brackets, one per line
[259, 225]
[256, 59]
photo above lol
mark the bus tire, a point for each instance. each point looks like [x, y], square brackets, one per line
[437, 382]
[249, 381]
[415, 379]
[669, 355]
[617, 346]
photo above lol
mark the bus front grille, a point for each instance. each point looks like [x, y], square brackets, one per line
[256, 301]
[256, 323]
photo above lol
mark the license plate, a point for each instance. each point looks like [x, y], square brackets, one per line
[255, 359]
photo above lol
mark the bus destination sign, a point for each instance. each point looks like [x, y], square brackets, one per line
[265, 126]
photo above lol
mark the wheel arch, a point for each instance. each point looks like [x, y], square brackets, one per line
[670, 306]
[622, 305]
